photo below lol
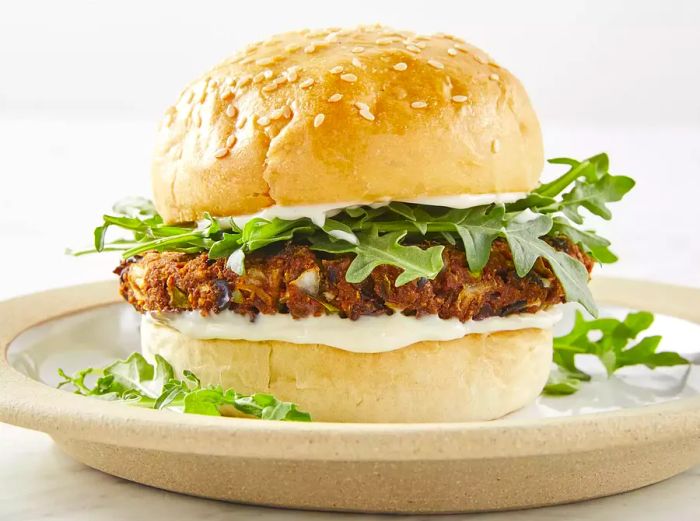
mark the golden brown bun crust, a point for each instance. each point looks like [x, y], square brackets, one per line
[254, 132]
[478, 377]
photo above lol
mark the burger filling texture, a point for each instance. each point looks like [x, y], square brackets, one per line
[491, 260]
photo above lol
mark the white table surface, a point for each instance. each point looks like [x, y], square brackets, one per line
[57, 177]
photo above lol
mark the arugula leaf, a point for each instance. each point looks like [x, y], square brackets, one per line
[136, 375]
[374, 250]
[609, 340]
[594, 196]
[225, 246]
[561, 383]
[258, 233]
[593, 244]
[137, 382]
[589, 169]
[526, 246]
[477, 229]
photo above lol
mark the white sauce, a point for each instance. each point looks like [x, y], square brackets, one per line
[344, 236]
[235, 262]
[318, 212]
[365, 335]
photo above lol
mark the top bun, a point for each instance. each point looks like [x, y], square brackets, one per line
[345, 116]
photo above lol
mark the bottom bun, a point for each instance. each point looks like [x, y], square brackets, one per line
[477, 377]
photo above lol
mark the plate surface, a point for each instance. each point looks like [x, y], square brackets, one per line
[614, 435]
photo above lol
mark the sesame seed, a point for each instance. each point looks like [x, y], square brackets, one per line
[263, 121]
[276, 114]
[401, 66]
[221, 152]
[358, 49]
[292, 47]
[421, 45]
[436, 64]
[461, 48]
[481, 59]
[259, 77]
[267, 74]
[383, 41]
[362, 106]
[309, 48]
[356, 62]
[337, 69]
[459, 98]
[318, 120]
[452, 52]
[246, 61]
[241, 122]
[231, 141]
[264, 61]
[226, 94]
[421, 37]
[292, 75]
[335, 97]
[287, 111]
[351, 78]
[231, 111]
[279, 80]
[306, 83]
[190, 97]
[245, 80]
[365, 113]
[493, 76]
[419, 104]
[412, 48]
[495, 146]
[269, 87]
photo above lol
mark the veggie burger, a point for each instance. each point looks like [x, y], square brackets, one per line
[352, 220]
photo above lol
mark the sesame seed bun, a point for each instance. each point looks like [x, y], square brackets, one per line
[477, 377]
[340, 116]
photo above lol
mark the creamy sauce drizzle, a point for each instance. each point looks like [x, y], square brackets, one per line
[318, 213]
[365, 335]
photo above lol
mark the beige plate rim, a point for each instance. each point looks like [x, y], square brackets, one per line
[32, 404]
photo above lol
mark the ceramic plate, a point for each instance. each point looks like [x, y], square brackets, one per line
[614, 435]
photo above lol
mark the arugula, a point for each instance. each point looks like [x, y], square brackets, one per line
[373, 250]
[593, 188]
[155, 386]
[526, 246]
[477, 229]
[408, 236]
[609, 340]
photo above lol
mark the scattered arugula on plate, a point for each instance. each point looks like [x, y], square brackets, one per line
[613, 342]
[155, 386]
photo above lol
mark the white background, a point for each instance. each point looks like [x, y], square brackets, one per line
[83, 84]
